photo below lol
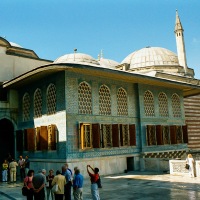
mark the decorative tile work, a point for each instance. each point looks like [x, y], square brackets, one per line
[71, 95]
[114, 100]
[101, 153]
[95, 97]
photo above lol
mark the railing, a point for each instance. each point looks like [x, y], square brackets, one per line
[177, 167]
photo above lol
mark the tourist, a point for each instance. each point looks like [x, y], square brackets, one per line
[5, 171]
[13, 169]
[28, 184]
[27, 164]
[61, 181]
[190, 162]
[21, 164]
[38, 182]
[94, 177]
[68, 175]
[49, 179]
[78, 185]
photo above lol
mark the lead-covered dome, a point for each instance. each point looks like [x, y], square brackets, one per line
[107, 63]
[78, 58]
[151, 56]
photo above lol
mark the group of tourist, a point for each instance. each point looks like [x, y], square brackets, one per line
[40, 186]
[9, 168]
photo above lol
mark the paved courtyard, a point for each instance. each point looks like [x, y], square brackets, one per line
[130, 186]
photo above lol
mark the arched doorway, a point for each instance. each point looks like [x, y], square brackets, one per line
[7, 141]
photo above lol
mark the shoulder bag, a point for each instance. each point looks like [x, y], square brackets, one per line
[55, 188]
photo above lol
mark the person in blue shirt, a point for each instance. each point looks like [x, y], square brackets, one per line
[78, 185]
[68, 175]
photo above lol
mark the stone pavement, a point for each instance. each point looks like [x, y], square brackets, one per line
[130, 186]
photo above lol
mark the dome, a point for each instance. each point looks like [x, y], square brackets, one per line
[108, 63]
[151, 56]
[78, 58]
[15, 45]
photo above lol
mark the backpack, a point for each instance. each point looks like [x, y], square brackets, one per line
[99, 182]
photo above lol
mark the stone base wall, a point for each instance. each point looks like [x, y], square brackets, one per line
[107, 165]
[154, 164]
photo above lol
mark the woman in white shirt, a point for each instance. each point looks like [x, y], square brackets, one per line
[190, 162]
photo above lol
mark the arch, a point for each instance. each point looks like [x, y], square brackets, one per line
[149, 108]
[38, 103]
[51, 99]
[84, 98]
[176, 105]
[104, 100]
[26, 107]
[122, 102]
[7, 142]
[163, 105]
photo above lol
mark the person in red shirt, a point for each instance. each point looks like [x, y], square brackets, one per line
[94, 177]
[28, 184]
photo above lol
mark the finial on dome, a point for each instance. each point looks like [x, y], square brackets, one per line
[75, 50]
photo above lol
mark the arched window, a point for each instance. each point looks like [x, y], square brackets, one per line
[122, 102]
[38, 103]
[163, 105]
[176, 105]
[51, 99]
[104, 101]
[84, 98]
[149, 108]
[26, 107]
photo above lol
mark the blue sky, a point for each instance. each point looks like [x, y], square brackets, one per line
[53, 28]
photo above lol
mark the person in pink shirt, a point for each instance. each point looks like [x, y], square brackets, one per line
[28, 184]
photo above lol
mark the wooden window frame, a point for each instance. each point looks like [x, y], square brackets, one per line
[82, 139]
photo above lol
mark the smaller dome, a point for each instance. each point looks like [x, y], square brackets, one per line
[78, 58]
[108, 63]
[151, 56]
[15, 45]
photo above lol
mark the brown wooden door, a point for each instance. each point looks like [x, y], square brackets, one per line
[96, 135]
[115, 135]
[132, 134]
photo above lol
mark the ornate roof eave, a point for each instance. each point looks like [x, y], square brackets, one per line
[43, 71]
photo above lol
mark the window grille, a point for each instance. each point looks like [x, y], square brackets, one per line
[26, 107]
[163, 105]
[38, 103]
[104, 101]
[84, 98]
[107, 135]
[122, 104]
[51, 99]
[149, 108]
[176, 106]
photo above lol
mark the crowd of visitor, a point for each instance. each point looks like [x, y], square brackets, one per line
[43, 186]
